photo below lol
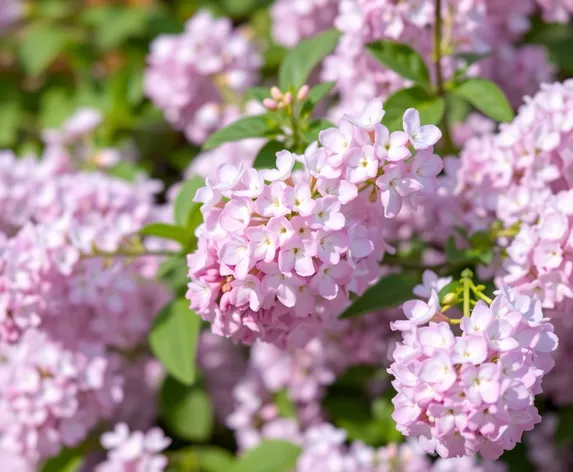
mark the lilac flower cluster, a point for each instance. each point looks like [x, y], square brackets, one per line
[295, 20]
[325, 449]
[190, 74]
[303, 375]
[277, 259]
[68, 312]
[469, 393]
[133, 451]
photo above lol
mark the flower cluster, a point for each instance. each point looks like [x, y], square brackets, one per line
[67, 309]
[325, 449]
[133, 451]
[189, 74]
[280, 250]
[469, 393]
[302, 375]
[52, 396]
[476, 26]
[294, 20]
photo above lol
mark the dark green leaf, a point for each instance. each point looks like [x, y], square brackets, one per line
[471, 58]
[269, 455]
[314, 128]
[402, 59]
[184, 205]
[315, 95]
[10, 112]
[300, 61]
[41, 44]
[167, 231]
[187, 411]
[390, 291]
[267, 158]
[257, 126]
[431, 108]
[382, 410]
[486, 96]
[173, 272]
[173, 339]
[69, 460]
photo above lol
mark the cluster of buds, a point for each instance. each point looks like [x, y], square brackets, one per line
[281, 100]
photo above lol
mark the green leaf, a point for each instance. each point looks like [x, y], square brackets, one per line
[486, 96]
[10, 112]
[314, 128]
[315, 95]
[402, 59]
[390, 291]
[284, 404]
[257, 126]
[41, 44]
[431, 108]
[68, 460]
[267, 158]
[115, 24]
[173, 272]
[301, 60]
[269, 455]
[126, 170]
[184, 205]
[166, 231]
[382, 410]
[215, 459]
[173, 339]
[186, 410]
[258, 93]
[56, 105]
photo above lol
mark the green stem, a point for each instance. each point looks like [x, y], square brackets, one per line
[479, 294]
[448, 142]
[467, 284]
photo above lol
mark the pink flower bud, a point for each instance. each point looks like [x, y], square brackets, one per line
[276, 93]
[302, 93]
[270, 104]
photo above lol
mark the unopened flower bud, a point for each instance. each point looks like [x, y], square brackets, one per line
[287, 98]
[302, 93]
[276, 93]
[270, 104]
[449, 299]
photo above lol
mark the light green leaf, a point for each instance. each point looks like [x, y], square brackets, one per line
[68, 460]
[173, 339]
[166, 231]
[126, 170]
[431, 108]
[41, 44]
[267, 156]
[300, 61]
[184, 205]
[258, 126]
[269, 455]
[258, 93]
[115, 24]
[402, 59]
[390, 291]
[486, 96]
[215, 459]
[56, 106]
[187, 411]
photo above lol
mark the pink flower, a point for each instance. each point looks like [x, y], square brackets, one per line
[370, 116]
[395, 186]
[327, 214]
[421, 137]
[272, 201]
[285, 163]
[391, 147]
[337, 141]
[264, 242]
[362, 165]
